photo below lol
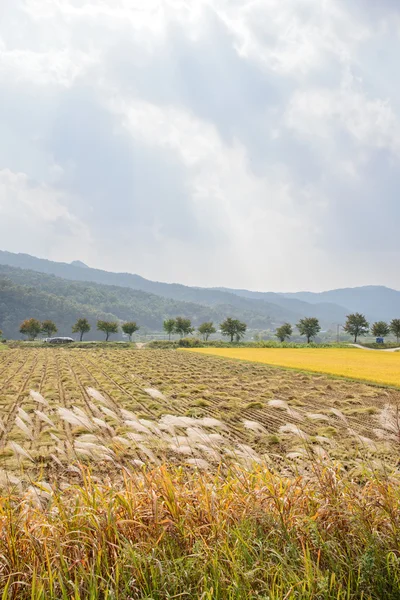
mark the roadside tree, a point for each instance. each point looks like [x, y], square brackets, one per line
[130, 328]
[169, 327]
[284, 332]
[183, 326]
[356, 325]
[49, 328]
[31, 328]
[380, 329]
[82, 326]
[233, 328]
[207, 329]
[108, 327]
[309, 327]
[395, 328]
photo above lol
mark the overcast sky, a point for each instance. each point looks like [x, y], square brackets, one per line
[244, 143]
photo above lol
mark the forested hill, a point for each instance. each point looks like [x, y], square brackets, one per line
[273, 307]
[25, 294]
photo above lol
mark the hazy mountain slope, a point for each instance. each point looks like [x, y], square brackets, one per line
[327, 312]
[18, 302]
[377, 302]
[273, 307]
[46, 296]
[203, 296]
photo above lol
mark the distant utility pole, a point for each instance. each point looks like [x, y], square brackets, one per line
[338, 333]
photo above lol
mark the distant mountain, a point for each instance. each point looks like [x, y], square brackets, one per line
[25, 293]
[79, 263]
[326, 312]
[261, 310]
[376, 302]
[265, 309]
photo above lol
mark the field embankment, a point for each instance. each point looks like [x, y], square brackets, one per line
[377, 367]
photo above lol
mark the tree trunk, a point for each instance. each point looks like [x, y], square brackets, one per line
[130, 338]
[231, 338]
[81, 336]
[355, 339]
[107, 336]
[308, 339]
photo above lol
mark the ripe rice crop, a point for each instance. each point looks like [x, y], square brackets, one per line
[374, 366]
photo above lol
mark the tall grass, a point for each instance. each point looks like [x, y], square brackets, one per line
[237, 534]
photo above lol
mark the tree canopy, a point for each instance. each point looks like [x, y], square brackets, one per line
[108, 327]
[130, 328]
[169, 327]
[207, 329]
[183, 326]
[82, 326]
[356, 325]
[395, 328]
[309, 327]
[49, 328]
[380, 329]
[31, 328]
[284, 332]
[233, 328]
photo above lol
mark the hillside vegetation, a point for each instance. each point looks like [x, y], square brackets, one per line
[27, 293]
[268, 307]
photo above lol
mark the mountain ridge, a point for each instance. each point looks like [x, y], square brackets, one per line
[276, 309]
[271, 308]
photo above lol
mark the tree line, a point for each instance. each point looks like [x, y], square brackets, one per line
[182, 326]
[33, 327]
[232, 328]
[356, 325]
[309, 327]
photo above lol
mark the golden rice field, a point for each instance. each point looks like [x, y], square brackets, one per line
[375, 366]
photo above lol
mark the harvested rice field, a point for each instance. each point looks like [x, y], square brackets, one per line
[372, 365]
[112, 409]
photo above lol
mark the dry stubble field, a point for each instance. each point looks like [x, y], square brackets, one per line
[116, 407]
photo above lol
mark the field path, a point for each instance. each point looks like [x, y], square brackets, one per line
[379, 350]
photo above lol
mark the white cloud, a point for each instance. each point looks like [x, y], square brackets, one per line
[35, 216]
[216, 142]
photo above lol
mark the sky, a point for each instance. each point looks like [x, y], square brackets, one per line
[240, 143]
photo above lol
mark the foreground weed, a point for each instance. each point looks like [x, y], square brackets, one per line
[168, 534]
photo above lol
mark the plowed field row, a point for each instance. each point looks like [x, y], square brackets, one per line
[111, 408]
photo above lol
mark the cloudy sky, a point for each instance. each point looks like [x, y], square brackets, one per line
[245, 143]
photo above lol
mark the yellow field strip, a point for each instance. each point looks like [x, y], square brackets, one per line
[375, 366]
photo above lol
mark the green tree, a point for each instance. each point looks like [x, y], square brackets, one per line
[130, 328]
[309, 327]
[357, 325]
[31, 328]
[82, 326]
[207, 329]
[395, 328]
[169, 327]
[380, 329]
[284, 332]
[49, 328]
[108, 327]
[233, 328]
[183, 326]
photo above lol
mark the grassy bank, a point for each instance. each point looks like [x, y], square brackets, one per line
[167, 534]
[197, 343]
